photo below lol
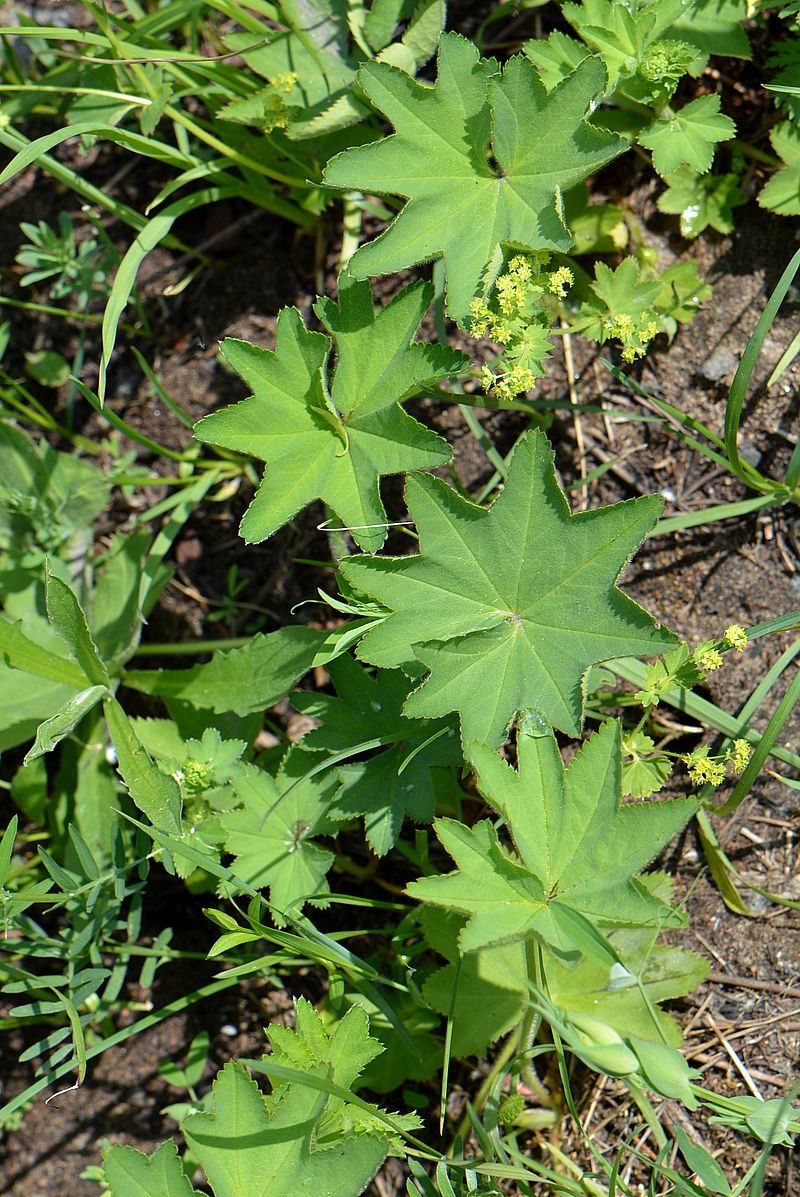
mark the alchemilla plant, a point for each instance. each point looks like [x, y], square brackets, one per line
[444, 788]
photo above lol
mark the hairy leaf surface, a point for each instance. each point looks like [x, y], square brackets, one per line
[460, 207]
[518, 601]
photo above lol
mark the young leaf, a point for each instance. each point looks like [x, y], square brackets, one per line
[701, 201]
[575, 844]
[690, 136]
[271, 837]
[519, 601]
[334, 440]
[241, 680]
[131, 1173]
[51, 731]
[439, 161]
[248, 1150]
[67, 617]
[376, 788]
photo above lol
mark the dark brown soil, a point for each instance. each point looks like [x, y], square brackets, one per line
[741, 1025]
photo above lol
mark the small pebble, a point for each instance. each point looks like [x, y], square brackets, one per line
[230, 1030]
[719, 365]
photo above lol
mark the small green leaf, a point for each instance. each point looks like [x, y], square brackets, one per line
[66, 616]
[701, 201]
[52, 730]
[20, 652]
[48, 368]
[702, 1163]
[155, 794]
[6, 848]
[249, 1149]
[272, 837]
[271, 664]
[689, 136]
[781, 193]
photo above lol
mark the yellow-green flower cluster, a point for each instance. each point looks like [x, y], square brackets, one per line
[704, 769]
[735, 637]
[708, 657]
[518, 317]
[634, 332]
[711, 770]
[739, 755]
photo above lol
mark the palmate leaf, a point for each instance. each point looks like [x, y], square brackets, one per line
[689, 136]
[131, 1173]
[271, 837]
[439, 161]
[575, 845]
[368, 706]
[248, 1150]
[509, 607]
[334, 439]
[487, 990]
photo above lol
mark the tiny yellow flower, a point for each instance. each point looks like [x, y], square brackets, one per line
[739, 755]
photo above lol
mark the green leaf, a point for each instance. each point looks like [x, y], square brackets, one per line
[701, 201]
[781, 193]
[241, 680]
[66, 616]
[490, 985]
[555, 56]
[247, 1150]
[19, 652]
[156, 795]
[519, 601]
[334, 440]
[715, 27]
[575, 845]
[438, 160]
[643, 774]
[48, 368]
[52, 730]
[131, 1173]
[702, 1163]
[376, 788]
[689, 136]
[271, 837]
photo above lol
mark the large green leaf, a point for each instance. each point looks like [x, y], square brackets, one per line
[334, 440]
[487, 990]
[460, 206]
[131, 1173]
[576, 845]
[271, 837]
[509, 607]
[399, 782]
[247, 1150]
